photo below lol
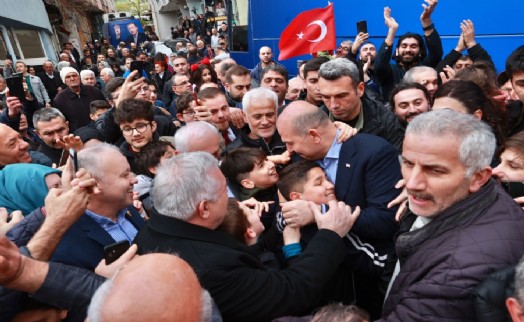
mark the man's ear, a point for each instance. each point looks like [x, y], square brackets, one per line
[248, 184]
[203, 209]
[153, 126]
[180, 117]
[226, 85]
[478, 114]
[315, 135]
[295, 196]
[360, 89]
[250, 233]
[479, 178]
[515, 309]
[152, 170]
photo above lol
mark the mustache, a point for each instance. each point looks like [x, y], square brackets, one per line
[418, 195]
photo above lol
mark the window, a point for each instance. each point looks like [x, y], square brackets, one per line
[30, 43]
[26, 43]
[239, 22]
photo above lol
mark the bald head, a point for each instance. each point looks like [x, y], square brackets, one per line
[170, 283]
[13, 149]
[306, 130]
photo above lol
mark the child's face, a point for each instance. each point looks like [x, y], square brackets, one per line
[254, 220]
[317, 187]
[264, 175]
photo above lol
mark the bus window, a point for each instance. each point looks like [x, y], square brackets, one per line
[239, 22]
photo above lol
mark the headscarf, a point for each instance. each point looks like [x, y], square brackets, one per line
[23, 187]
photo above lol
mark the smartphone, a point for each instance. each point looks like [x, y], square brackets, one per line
[137, 65]
[362, 26]
[73, 155]
[514, 189]
[114, 251]
[16, 87]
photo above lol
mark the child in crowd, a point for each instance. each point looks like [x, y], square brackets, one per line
[251, 175]
[146, 164]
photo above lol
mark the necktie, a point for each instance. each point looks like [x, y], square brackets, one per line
[227, 140]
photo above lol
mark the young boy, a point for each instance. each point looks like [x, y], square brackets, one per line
[250, 174]
[136, 119]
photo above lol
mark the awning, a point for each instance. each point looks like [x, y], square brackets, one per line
[24, 13]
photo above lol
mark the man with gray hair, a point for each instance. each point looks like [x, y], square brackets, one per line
[51, 126]
[191, 203]
[425, 76]
[198, 136]
[342, 91]
[260, 107]
[461, 226]
[106, 74]
[515, 304]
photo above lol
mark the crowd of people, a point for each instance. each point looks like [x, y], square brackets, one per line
[375, 185]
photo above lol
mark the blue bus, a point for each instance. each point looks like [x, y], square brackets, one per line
[258, 23]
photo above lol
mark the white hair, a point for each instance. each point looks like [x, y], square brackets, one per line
[183, 182]
[186, 134]
[108, 71]
[410, 74]
[258, 94]
[86, 72]
[477, 141]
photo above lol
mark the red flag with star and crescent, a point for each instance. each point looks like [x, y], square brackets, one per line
[310, 32]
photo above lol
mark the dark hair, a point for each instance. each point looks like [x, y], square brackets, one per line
[515, 143]
[150, 156]
[196, 75]
[502, 78]
[402, 86]
[515, 62]
[114, 84]
[275, 68]
[474, 98]
[209, 93]
[96, 105]
[236, 70]
[294, 176]
[183, 102]
[132, 109]
[483, 74]
[421, 45]
[225, 67]
[235, 222]
[313, 65]
[238, 163]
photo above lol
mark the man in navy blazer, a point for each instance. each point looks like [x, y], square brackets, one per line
[109, 218]
[364, 170]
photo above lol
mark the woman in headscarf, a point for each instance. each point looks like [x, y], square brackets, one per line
[24, 186]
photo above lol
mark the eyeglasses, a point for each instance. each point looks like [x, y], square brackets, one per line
[344, 48]
[189, 112]
[182, 84]
[140, 128]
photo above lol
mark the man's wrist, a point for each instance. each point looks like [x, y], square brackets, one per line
[429, 26]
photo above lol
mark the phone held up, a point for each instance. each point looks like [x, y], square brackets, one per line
[362, 27]
[16, 87]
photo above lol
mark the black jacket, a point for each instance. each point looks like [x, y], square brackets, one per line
[444, 261]
[380, 121]
[275, 147]
[390, 75]
[242, 287]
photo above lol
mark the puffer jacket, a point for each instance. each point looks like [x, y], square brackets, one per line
[442, 262]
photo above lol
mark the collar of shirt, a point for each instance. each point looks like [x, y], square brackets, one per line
[330, 161]
[104, 221]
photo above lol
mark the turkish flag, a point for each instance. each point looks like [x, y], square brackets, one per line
[310, 32]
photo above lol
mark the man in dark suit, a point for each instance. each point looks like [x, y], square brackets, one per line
[190, 197]
[135, 36]
[51, 79]
[109, 218]
[364, 170]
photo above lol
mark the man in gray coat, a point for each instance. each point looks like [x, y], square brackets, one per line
[461, 225]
